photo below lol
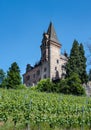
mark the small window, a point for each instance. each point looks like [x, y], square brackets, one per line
[63, 66]
[45, 69]
[57, 61]
[55, 68]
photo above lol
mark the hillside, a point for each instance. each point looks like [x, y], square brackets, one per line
[43, 111]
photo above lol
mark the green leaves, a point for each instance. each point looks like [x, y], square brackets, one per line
[33, 108]
[77, 62]
[13, 76]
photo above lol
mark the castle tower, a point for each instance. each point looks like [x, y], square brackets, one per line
[51, 64]
[54, 57]
[50, 51]
[48, 38]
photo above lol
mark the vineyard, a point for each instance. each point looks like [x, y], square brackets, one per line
[30, 110]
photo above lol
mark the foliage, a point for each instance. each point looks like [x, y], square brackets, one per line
[73, 61]
[75, 85]
[13, 76]
[37, 109]
[63, 87]
[82, 64]
[45, 85]
[77, 62]
[2, 77]
[21, 86]
[4, 83]
[71, 85]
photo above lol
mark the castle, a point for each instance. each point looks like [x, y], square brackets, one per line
[52, 62]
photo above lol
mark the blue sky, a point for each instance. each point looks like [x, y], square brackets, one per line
[22, 23]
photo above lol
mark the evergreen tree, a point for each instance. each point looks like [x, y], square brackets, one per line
[73, 61]
[71, 85]
[77, 62]
[2, 76]
[74, 83]
[13, 76]
[82, 65]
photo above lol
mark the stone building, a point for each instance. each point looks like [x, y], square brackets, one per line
[52, 62]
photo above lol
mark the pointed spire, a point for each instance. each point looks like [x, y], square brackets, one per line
[52, 34]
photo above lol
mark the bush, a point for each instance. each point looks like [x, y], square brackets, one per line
[21, 86]
[45, 85]
[75, 85]
[71, 85]
[63, 87]
[34, 88]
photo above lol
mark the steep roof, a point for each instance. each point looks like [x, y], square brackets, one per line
[52, 34]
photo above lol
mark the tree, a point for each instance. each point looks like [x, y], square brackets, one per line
[63, 87]
[2, 76]
[13, 76]
[82, 64]
[77, 62]
[74, 83]
[71, 85]
[73, 61]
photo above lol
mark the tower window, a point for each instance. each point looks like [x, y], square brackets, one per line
[57, 61]
[45, 69]
[55, 68]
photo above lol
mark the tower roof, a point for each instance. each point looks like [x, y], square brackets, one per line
[52, 34]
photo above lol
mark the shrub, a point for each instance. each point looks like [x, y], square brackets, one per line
[45, 85]
[75, 85]
[21, 86]
[71, 85]
[63, 87]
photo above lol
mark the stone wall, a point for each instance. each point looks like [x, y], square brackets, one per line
[31, 77]
[88, 88]
[57, 62]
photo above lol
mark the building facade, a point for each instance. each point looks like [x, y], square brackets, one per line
[52, 62]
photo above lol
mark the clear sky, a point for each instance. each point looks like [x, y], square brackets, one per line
[22, 23]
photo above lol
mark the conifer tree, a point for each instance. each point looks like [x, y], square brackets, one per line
[13, 76]
[77, 62]
[2, 76]
[73, 61]
[82, 64]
